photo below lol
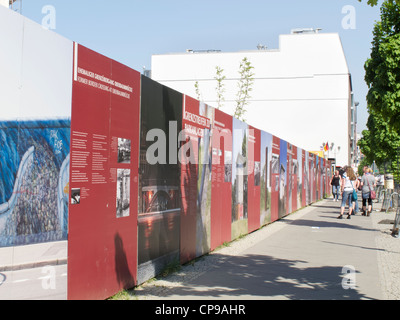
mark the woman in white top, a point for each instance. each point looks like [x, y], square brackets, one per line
[347, 186]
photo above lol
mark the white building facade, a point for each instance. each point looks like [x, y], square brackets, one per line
[302, 91]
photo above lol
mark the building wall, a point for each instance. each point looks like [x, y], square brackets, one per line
[4, 3]
[300, 88]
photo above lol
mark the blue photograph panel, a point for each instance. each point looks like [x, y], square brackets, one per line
[282, 178]
[34, 181]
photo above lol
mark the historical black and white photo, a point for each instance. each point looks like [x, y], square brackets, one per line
[123, 192]
[124, 150]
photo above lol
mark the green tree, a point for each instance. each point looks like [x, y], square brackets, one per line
[383, 67]
[245, 86]
[363, 162]
[372, 3]
[380, 142]
[220, 77]
[196, 86]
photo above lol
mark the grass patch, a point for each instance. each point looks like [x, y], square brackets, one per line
[172, 267]
[122, 295]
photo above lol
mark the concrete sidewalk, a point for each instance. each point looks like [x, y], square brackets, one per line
[33, 256]
[299, 257]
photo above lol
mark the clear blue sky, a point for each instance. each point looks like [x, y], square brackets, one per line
[130, 31]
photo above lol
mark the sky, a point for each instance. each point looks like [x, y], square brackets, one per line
[131, 31]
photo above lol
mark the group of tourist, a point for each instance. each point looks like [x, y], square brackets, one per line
[344, 182]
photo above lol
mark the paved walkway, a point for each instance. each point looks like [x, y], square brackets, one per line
[299, 257]
[33, 256]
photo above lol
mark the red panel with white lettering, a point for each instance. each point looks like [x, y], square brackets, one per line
[102, 246]
[221, 192]
[195, 159]
[254, 171]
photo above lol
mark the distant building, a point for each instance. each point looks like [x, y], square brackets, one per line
[302, 91]
[13, 4]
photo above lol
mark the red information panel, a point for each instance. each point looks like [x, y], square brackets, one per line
[221, 191]
[315, 173]
[275, 178]
[312, 171]
[292, 178]
[320, 177]
[254, 178]
[102, 246]
[324, 177]
[304, 178]
[189, 171]
[327, 166]
[195, 158]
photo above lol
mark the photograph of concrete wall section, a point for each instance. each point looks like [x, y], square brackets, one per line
[305, 83]
[35, 131]
[75, 105]
[35, 121]
[36, 201]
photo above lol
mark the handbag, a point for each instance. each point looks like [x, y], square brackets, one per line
[373, 193]
[354, 197]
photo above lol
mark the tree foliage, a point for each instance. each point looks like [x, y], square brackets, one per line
[245, 86]
[373, 3]
[381, 141]
[220, 89]
[383, 67]
[197, 88]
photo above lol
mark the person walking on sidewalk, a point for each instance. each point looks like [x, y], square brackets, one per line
[357, 187]
[368, 184]
[335, 183]
[347, 190]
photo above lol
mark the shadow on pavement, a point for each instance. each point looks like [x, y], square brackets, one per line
[265, 277]
[350, 245]
[335, 223]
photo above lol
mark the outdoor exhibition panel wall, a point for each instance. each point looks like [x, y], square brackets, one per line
[159, 215]
[128, 175]
[35, 110]
[102, 242]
